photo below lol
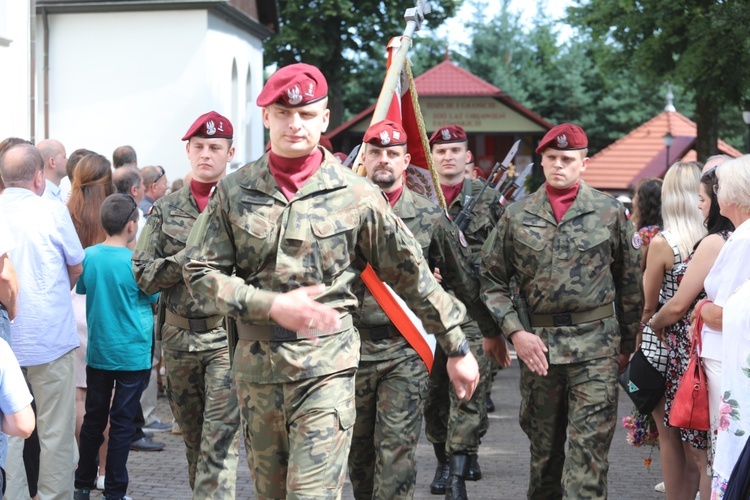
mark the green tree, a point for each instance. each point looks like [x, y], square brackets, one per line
[701, 45]
[344, 38]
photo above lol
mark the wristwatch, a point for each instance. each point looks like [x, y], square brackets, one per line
[462, 350]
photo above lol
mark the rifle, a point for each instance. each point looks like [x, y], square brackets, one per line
[352, 156]
[516, 187]
[463, 218]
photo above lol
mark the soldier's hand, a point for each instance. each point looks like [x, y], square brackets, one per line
[530, 350]
[497, 348]
[464, 373]
[438, 276]
[296, 310]
[624, 360]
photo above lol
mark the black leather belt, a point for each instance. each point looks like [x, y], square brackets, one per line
[378, 332]
[198, 325]
[276, 333]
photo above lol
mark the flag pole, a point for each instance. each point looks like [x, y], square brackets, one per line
[414, 18]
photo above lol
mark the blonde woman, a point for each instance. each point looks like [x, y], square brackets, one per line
[683, 228]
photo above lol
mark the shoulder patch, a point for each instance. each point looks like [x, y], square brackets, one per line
[636, 241]
[462, 239]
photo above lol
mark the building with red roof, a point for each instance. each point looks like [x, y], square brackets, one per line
[642, 153]
[448, 95]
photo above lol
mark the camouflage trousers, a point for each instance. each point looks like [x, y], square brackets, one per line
[297, 435]
[390, 397]
[577, 400]
[456, 423]
[203, 399]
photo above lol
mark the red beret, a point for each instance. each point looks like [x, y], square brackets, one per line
[210, 125]
[292, 86]
[384, 134]
[326, 143]
[446, 135]
[565, 137]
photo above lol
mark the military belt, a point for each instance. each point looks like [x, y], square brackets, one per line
[571, 319]
[198, 325]
[276, 333]
[378, 332]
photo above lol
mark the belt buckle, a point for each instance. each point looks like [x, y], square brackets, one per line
[379, 333]
[198, 325]
[281, 334]
[562, 319]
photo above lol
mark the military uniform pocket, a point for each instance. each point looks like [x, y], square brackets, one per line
[252, 236]
[334, 241]
[594, 251]
[532, 242]
[346, 414]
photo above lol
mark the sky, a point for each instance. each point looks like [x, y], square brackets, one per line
[454, 26]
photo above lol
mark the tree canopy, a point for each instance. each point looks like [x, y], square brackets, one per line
[701, 45]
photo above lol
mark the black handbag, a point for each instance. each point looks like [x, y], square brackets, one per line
[642, 382]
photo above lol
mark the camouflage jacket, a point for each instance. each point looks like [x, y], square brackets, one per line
[157, 264]
[585, 261]
[485, 215]
[251, 243]
[441, 246]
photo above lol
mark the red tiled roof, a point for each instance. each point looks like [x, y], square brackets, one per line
[641, 153]
[447, 79]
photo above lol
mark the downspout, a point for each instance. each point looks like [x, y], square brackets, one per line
[45, 71]
[32, 71]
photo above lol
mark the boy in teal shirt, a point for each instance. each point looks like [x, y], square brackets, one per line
[120, 329]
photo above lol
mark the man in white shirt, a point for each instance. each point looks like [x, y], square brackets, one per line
[47, 258]
[53, 154]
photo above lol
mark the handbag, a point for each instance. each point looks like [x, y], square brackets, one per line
[643, 383]
[690, 404]
[654, 349]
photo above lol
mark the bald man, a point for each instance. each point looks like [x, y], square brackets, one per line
[55, 159]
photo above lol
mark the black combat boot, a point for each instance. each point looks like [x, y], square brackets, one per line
[456, 489]
[475, 473]
[440, 481]
[489, 405]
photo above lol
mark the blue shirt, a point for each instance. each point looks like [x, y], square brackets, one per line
[119, 316]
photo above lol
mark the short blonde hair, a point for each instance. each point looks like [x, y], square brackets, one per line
[734, 179]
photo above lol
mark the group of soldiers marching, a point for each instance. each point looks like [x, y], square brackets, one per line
[292, 253]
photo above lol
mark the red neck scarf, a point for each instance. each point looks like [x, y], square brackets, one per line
[291, 173]
[451, 192]
[201, 192]
[394, 195]
[561, 199]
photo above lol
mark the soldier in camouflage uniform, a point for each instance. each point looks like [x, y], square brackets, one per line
[278, 248]
[200, 387]
[391, 381]
[573, 254]
[455, 428]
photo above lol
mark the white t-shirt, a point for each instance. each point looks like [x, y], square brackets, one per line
[728, 272]
[46, 243]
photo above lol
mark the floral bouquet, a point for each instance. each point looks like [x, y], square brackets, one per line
[642, 431]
